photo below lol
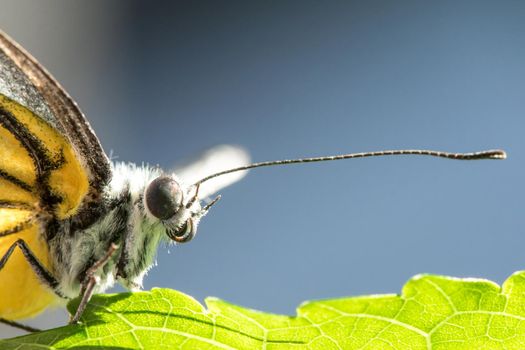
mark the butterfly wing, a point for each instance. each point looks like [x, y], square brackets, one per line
[40, 179]
[218, 158]
[21, 293]
[42, 94]
[51, 167]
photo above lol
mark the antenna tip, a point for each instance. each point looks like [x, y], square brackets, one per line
[497, 154]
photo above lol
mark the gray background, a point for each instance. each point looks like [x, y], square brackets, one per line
[161, 81]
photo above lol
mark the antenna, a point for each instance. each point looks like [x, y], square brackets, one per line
[490, 154]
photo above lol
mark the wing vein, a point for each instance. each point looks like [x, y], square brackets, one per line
[20, 226]
[16, 181]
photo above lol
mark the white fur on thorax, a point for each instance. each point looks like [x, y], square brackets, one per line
[132, 178]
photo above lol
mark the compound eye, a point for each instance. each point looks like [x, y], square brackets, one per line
[185, 234]
[163, 197]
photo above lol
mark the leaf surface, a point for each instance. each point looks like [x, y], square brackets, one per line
[433, 312]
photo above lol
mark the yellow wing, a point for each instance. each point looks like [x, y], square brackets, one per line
[21, 293]
[51, 168]
[37, 159]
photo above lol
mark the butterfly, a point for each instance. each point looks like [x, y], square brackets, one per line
[72, 222]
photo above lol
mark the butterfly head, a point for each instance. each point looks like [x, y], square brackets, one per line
[178, 209]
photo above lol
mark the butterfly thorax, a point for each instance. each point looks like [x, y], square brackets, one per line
[122, 219]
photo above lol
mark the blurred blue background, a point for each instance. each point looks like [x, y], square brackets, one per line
[163, 80]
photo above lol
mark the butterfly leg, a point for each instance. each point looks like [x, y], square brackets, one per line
[89, 283]
[41, 271]
[21, 326]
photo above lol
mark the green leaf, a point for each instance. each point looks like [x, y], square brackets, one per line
[433, 312]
